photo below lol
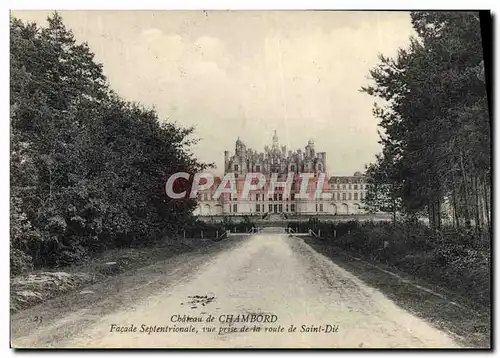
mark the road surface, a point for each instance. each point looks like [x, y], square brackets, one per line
[266, 277]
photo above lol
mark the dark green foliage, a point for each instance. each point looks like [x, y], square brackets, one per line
[454, 258]
[326, 229]
[435, 125]
[88, 169]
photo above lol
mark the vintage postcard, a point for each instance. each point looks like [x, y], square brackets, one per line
[250, 179]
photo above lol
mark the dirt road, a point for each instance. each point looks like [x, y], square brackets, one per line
[266, 277]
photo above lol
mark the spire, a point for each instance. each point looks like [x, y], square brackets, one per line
[275, 139]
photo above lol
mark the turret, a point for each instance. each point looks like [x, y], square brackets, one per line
[275, 141]
[226, 160]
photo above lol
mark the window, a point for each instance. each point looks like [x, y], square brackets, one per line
[262, 207]
[292, 208]
[350, 187]
[344, 196]
[338, 181]
[286, 208]
[321, 207]
[281, 208]
[257, 196]
[235, 208]
[270, 208]
[292, 168]
[361, 195]
[275, 197]
[257, 168]
[236, 167]
[355, 196]
[338, 196]
[350, 196]
[292, 196]
[257, 208]
[316, 207]
[343, 186]
[355, 186]
[235, 198]
[205, 196]
[280, 197]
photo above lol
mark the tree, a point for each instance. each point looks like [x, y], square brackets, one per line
[434, 119]
[88, 168]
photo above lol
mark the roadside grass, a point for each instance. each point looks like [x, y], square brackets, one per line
[467, 321]
[35, 287]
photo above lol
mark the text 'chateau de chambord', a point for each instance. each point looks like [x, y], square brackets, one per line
[345, 192]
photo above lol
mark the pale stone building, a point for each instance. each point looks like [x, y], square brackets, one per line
[343, 193]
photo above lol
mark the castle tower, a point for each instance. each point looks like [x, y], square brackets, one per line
[226, 161]
[275, 140]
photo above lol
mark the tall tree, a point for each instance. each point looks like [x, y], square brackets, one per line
[88, 168]
[434, 118]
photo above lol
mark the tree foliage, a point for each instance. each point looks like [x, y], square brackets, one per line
[435, 123]
[88, 169]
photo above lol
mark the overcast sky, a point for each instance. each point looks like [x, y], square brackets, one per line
[246, 73]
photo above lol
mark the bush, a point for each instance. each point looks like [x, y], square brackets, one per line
[19, 262]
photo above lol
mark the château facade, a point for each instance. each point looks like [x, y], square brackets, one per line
[344, 194]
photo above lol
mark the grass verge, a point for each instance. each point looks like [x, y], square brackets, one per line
[466, 321]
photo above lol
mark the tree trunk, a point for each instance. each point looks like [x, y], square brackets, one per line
[455, 212]
[438, 213]
[432, 215]
[393, 210]
[466, 199]
[476, 203]
[475, 196]
[486, 200]
[429, 214]
[454, 200]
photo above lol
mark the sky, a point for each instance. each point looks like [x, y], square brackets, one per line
[247, 73]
